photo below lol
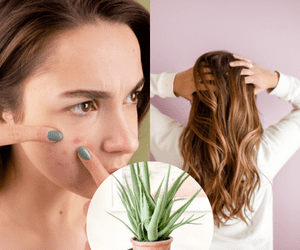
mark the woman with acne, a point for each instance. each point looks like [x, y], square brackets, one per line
[224, 146]
[74, 87]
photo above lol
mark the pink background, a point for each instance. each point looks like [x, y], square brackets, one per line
[265, 31]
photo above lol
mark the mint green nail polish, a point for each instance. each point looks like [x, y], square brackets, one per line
[84, 153]
[54, 136]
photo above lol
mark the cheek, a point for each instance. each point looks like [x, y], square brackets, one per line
[132, 119]
[59, 161]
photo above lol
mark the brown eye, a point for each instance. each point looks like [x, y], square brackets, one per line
[84, 107]
[132, 98]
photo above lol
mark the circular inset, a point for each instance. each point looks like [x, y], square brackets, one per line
[150, 201]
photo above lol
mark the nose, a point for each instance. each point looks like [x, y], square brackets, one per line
[122, 136]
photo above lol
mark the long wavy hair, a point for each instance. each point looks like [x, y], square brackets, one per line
[27, 30]
[220, 142]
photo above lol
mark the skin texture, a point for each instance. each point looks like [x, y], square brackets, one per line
[110, 132]
[51, 179]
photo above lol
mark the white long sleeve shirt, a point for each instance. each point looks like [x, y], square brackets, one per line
[279, 142]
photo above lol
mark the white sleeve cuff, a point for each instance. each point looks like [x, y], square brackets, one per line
[162, 85]
[282, 88]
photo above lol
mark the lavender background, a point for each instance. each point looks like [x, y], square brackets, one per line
[266, 32]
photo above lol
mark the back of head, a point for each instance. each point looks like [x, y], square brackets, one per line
[220, 142]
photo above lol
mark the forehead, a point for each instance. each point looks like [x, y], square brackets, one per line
[102, 56]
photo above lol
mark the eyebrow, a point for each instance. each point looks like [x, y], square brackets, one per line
[95, 94]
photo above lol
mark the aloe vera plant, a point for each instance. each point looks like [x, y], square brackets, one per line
[150, 217]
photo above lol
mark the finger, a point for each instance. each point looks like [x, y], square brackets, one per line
[207, 70]
[93, 165]
[86, 207]
[207, 77]
[241, 58]
[246, 72]
[249, 80]
[87, 246]
[241, 63]
[11, 134]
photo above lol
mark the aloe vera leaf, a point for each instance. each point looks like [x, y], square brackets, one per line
[181, 210]
[145, 212]
[123, 192]
[133, 199]
[134, 212]
[135, 185]
[176, 185]
[146, 177]
[148, 196]
[124, 224]
[146, 237]
[188, 221]
[158, 191]
[132, 220]
[125, 197]
[174, 217]
[165, 191]
[138, 168]
[164, 194]
[153, 225]
[165, 215]
[139, 232]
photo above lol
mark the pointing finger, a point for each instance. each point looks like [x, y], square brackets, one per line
[87, 246]
[86, 207]
[93, 165]
[11, 134]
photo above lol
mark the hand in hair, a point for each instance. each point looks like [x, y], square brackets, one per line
[184, 84]
[99, 174]
[11, 134]
[261, 78]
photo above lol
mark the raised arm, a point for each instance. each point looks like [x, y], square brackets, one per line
[281, 140]
[164, 131]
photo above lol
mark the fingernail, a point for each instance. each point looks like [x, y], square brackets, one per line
[84, 153]
[231, 63]
[54, 136]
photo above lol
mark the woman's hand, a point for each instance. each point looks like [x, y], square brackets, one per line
[263, 79]
[11, 134]
[184, 84]
[98, 172]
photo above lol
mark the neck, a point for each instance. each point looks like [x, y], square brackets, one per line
[29, 199]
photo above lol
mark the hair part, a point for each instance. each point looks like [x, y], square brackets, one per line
[220, 142]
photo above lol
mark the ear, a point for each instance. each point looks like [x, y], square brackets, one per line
[7, 118]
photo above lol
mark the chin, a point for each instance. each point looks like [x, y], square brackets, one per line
[86, 190]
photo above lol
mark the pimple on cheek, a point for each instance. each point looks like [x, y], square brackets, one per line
[78, 140]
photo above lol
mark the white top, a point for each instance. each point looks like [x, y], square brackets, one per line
[279, 142]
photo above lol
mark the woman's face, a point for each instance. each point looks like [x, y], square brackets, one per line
[88, 92]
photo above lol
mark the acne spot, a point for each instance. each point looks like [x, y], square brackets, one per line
[78, 140]
[64, 152]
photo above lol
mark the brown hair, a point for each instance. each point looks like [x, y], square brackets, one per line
[220, 142]
[27, 29]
